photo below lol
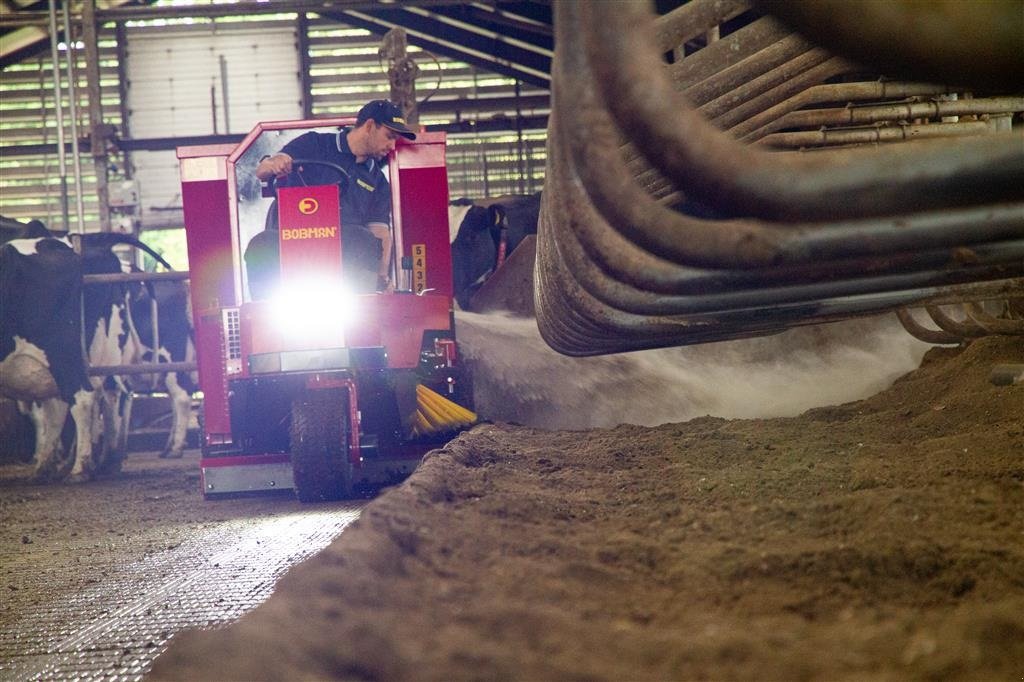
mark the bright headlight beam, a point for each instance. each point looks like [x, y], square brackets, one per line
[313, 306]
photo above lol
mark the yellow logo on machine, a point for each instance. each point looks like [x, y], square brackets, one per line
[309, 233]
[308, 206]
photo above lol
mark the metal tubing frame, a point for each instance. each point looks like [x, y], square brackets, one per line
[899, 132]
[991, 324]
[769, 120]
[593, 283]
[690, 20]
[593, 140]
[713, 168]
[861, 115]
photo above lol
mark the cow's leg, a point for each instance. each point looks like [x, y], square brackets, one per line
[82, 413]
[117, 403]
[48, 418]
[181, 407]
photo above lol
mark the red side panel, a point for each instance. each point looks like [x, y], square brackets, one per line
[421, 195]
[205, 200]
[404, 318]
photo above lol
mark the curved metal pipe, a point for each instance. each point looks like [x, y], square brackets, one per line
[616, 271]
[965, 328]
[591, 136]
[922, 333]
[990, 324]
[709, 166]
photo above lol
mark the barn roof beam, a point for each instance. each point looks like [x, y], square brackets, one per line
[245, 8]
[494, 20]
[492, 54]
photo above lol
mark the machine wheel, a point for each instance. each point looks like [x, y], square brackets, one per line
[319, 449]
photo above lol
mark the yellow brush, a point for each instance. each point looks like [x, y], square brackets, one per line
[436, 414]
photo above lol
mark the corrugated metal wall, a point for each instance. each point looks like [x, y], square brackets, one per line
[30, 184]
[173, 88]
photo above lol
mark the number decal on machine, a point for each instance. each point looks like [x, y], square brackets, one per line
[419, 268]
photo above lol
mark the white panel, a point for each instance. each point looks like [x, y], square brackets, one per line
[159, 182]
[176, 90]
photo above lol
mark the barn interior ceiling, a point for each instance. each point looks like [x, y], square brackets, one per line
[514, 39]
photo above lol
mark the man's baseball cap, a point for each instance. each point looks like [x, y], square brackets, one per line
[387, 114]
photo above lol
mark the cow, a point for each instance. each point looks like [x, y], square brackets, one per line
[120, 331]
[44, 362]
[41, 347]
[483, 233]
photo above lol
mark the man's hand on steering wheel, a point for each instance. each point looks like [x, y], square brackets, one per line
[276, 166]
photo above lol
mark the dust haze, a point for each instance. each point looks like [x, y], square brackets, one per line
[519, 379]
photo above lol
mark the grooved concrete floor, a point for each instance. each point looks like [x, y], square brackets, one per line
[97, 577]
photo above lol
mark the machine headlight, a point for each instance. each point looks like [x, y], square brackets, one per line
[313, 306]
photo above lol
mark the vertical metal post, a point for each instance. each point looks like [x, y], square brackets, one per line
[305, 83]
[213, 106]
[99, 132]
[224, 93]
[122, 91]
[58, 109]
[154, 310]
[69, 40]
[519, 138]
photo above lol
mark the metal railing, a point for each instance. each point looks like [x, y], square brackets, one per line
[141, 367]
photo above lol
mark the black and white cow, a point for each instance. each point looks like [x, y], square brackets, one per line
[119, 331]
[483, 233]
[41, 347]
[44, 363]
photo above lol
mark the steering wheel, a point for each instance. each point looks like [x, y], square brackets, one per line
[298, 163]
[270, 188]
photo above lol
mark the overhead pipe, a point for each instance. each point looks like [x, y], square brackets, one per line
[727, 89]
[711, 167]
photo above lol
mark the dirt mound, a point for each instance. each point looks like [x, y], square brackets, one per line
[878, 539]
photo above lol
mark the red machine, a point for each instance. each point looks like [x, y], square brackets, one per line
[315, 387]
